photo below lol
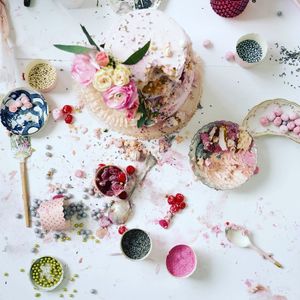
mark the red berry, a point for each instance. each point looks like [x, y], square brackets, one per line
[174, 208]
[171, 200]
[67, 109]
[123, 196]
[163, 223]
[182, 205]
[179, 198]
[122, 229]
[122, 177]
[130, 170]
[69, 119]
[101, 166]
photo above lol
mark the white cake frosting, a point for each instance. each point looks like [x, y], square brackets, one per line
[170, 45]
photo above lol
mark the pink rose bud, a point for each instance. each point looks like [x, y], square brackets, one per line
[18, 103]
[24, 99]
[283, 129]
[79, 174]
[291, 125]
[230, 56]
[297, 122]
[296, 130]
[284, 117]
[293, 116]
[277, 121]
[13, 108]
[207, 44]
[102, 59]
[278, 111]
[264, 121]
[271, 116]
[57, 114]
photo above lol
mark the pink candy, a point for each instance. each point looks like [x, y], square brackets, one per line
[293, 116]
[291, 125]
[284, 117]
[297, 122]
[264, 121]
[277, 121]
[18, 103]
[207, 44]
[24, 99]
[27, 105]
[283, 129]
[230, 56]
[13, 108]
[278, 111]
[57, 114]
[297, 130]
[79, 174]
[271, 116]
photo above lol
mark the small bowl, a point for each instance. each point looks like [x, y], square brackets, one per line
[182, 255]
[47, 81]
[24, 121]
[257, 38]
[47, 289]
[128, 239]
[99, 173]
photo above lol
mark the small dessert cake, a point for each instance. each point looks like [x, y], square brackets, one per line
[168, 77]
[223, 155]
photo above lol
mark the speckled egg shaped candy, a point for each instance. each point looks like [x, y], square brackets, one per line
[229, 8]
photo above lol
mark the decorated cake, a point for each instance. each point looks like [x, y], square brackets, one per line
[157, 88]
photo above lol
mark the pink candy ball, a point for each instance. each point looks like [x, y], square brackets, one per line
[18, 103]
[271, 116]
[293, 116]
[57, 114]
[278, 111]
[264, 121]
[284, 117]
[207, 44]
[24, 99]
[13, 108]
[277, 121]
[296, 130]
[230, 56]
[297, 122]
[291, 125]
[28, 105]
[283, 129]
[79, 173]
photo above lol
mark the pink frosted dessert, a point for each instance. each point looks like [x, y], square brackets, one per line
[181, 261]
[166, 73]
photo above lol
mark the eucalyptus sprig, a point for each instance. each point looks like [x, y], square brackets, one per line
[138, 55]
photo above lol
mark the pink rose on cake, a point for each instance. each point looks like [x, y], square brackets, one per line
[103, 79]
[102, 59]
[121, 97]
[83, 69]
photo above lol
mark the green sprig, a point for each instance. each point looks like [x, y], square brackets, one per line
[138, 55]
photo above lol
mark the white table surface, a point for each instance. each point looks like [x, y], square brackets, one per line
[268, 204]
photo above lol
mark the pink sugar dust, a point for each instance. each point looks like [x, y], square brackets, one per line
[181, 261]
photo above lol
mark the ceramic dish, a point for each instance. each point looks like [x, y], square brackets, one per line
[223, 155]
[24, 111]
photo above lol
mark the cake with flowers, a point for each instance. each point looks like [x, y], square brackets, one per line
[145, 81]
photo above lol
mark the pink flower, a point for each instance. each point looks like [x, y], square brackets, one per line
[102, 59]
[121, 97]
[83, 69]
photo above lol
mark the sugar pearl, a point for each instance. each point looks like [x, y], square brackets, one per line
[264, 121]
[284, 117]
[271, 116]
[278, 111]
[297, 122]
[283, 129]
[277, 121]
[291, 125]
[293, 116]
[296, 130]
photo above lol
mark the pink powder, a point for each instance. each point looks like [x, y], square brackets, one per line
[181, 261]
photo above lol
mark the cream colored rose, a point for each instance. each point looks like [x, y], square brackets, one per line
[121, 75]
[103, 79]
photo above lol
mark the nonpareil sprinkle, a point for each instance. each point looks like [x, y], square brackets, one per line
[249, 51]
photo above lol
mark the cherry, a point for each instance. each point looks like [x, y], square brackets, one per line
[182, 205]
[69, 119]
[130, 170]
[101, 166]
[163, 223]
[179, 198]
[122, 229]
[174, 208]
[122, 177]
[123, 196]
[171, 200]
[67, 109]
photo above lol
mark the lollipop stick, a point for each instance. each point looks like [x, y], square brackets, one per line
[25, 192]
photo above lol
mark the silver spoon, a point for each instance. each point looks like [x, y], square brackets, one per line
[240, 237]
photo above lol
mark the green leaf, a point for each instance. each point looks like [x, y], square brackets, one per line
[91, 41]
[138, 55]
[141, 122]
[73, 48]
